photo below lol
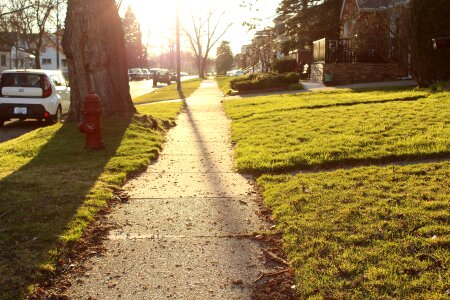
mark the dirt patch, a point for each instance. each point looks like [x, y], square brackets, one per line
[279, 283]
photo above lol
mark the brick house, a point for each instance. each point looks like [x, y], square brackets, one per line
[372, 44]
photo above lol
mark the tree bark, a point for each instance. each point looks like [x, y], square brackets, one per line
[94, 44]
[37, 60]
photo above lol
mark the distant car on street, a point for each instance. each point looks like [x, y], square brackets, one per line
[161, 75]
[146, 74]
[33, 94]
[235, 73]
[135, 74]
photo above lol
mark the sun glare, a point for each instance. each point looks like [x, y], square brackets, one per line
[157, 18]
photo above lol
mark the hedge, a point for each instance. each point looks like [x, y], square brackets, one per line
[264, 81]
[285, 65]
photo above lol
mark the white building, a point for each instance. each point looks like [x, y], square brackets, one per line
[49, 60]
[12, 58]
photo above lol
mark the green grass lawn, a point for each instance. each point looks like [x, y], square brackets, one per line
[168, 111]
[170, 92]
[51, 188]
[366, 233]
[298, 132]
[359, 232]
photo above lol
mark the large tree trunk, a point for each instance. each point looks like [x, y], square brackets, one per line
[94, 44]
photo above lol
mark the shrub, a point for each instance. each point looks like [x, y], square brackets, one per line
[264, 81]
[295, 87]
[440, 87]
[285, 65]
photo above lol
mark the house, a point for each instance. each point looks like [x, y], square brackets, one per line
[371, 47]
[11, 57]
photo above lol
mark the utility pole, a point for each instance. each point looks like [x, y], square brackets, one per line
[178, 47]
[57, 35]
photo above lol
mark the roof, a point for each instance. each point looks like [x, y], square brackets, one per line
[372, 5]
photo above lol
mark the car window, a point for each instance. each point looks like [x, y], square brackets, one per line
[21, 80]
[56, 80]
[63, 80]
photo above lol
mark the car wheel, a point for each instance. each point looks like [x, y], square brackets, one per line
[57, 117]
[22, 119]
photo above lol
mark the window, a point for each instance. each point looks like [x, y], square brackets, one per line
[21, 80]
[56, 80]
[64, 62]
[3, 60]
[346, 30]
[46, 61]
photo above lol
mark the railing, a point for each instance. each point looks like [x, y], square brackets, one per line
[356, 50]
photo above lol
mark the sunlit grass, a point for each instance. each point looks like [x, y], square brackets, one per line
[366, 233]
[380, 232]
[170, 92]
[161, 110]
[51, 188]
[301, 131]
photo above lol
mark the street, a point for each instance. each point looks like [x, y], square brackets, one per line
[16, 128]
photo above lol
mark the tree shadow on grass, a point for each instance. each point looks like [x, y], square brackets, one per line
[38, 201]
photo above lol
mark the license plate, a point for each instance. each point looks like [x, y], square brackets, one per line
[20, 110]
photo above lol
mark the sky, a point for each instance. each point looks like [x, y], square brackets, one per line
[157, 19]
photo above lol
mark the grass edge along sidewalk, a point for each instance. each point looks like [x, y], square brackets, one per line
[170, 92]
[51, 189]
[377, 232]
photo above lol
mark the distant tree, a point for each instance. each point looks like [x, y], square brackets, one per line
[203, 37]
[263, 48]
[224, 58]
[136, 54]
[308, 20]
[239, 61]
[28, 20]
[94, 43]
[429, 19]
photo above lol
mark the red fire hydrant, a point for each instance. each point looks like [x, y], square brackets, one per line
[92, 124]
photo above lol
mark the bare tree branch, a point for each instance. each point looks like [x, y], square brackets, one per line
[204, 37]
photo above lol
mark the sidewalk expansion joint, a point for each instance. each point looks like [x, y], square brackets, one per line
[138, 236]
[252, 196]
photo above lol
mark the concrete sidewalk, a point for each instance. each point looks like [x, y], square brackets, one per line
[184, 232]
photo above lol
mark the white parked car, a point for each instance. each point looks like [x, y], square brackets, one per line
[33, 94]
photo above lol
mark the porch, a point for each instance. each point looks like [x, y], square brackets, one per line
[356, 60]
